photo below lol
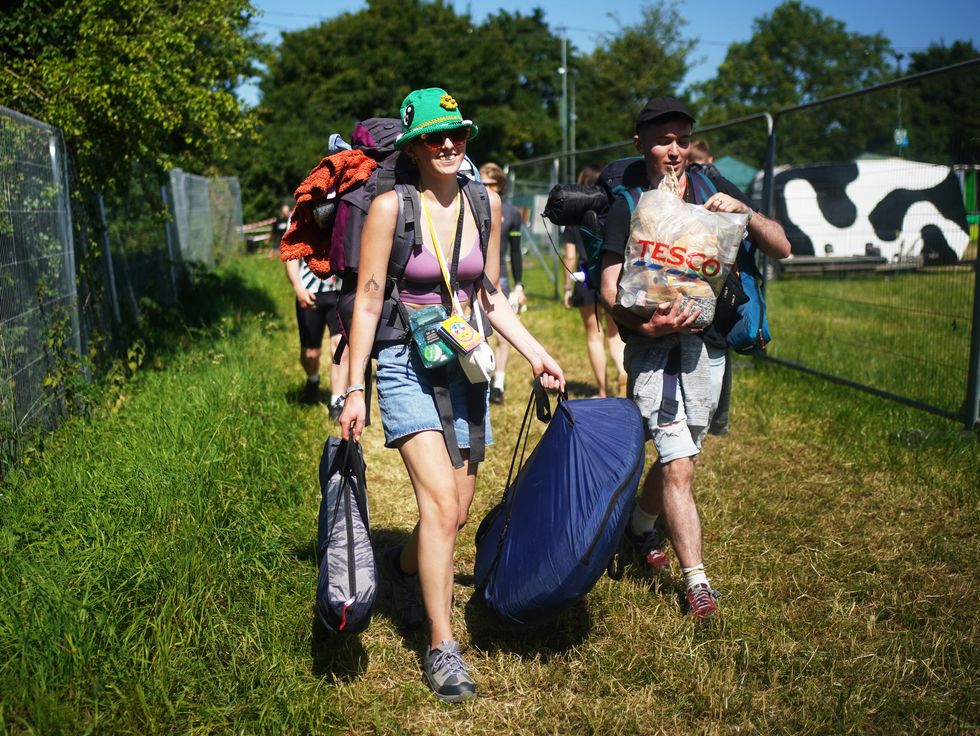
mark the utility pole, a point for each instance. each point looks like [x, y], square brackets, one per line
[563, 71]
[901, 135]
[572, 168]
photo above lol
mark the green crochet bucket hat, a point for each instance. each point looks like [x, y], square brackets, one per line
[430, 111]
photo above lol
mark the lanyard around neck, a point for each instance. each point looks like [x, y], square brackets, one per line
[438, 248]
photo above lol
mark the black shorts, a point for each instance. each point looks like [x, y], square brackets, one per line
[312, 322]
[581, 296]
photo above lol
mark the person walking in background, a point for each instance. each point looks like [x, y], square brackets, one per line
[666, 345]
[279, 227]
[494, 178]
[701, 159]
[701, 155]
[434, 135]
[583, 298]
[316, 312]
[700, 152]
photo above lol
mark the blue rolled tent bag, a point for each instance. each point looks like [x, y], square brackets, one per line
[559, 525]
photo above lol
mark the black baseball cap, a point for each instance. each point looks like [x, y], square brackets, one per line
[662, 107]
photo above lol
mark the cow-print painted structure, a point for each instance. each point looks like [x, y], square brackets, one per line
[892, 207]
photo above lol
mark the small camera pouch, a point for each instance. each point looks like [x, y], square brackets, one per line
[424, 325]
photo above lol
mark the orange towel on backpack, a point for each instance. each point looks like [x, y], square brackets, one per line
[304, 239]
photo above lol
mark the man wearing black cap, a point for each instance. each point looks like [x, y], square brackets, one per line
[666, 503]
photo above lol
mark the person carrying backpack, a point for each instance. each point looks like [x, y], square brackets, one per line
[494, 178]
[583, 298]
[434, 135]
[675, 370]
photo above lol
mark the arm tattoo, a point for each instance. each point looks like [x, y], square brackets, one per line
[371, 285]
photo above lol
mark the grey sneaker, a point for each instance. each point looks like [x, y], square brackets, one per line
[405, 590]
[446, 673]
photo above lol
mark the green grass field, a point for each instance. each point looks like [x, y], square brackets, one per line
[158, 571]
[908, 334]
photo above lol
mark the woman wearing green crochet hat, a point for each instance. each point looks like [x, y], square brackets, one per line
[428, 111]
[434, 412]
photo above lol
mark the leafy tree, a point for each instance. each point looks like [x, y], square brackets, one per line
[797, 55]
[943, 110]
[323, 79]
[644, 60]
[516, 59]
[130, 83]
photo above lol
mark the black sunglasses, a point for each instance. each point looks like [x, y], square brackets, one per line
[434, 141]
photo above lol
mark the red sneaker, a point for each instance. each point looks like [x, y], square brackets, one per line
[701, 602]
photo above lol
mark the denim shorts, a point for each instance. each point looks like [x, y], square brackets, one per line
[680, 439]
[407, 402]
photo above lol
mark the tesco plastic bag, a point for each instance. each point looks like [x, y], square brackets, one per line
[678, 248]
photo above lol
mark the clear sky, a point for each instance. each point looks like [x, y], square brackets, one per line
[911, 25]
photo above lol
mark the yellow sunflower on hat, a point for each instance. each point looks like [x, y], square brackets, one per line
[430, 110]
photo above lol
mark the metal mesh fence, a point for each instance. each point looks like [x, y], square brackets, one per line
[38, 306]
[226, 217]
[879, 201]
[50, 312]
[207, 217]
[190, 204]
[879, 290]
[138, 261]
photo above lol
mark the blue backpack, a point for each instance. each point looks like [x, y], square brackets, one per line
[740, 314]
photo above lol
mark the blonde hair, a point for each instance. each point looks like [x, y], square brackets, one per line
[491, 173]
[700, 153]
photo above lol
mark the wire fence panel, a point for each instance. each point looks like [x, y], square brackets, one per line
[879, 289]
[190, 203]
[133, 245]
[226, 217]
[140, 261]
[39, 325]
[879, 201]
[207, 218]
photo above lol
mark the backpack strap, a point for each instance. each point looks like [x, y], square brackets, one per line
[408, 235]
[630, 194]
[476, 195]
[386, 181]
[703, 186]
[408, 229]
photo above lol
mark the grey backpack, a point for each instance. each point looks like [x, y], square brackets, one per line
[347, 581]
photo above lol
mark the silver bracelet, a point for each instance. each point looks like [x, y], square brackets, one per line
[352, 389]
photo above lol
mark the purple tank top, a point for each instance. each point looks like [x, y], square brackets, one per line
[422, 278]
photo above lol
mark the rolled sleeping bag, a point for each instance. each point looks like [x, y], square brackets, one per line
[568, 203]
